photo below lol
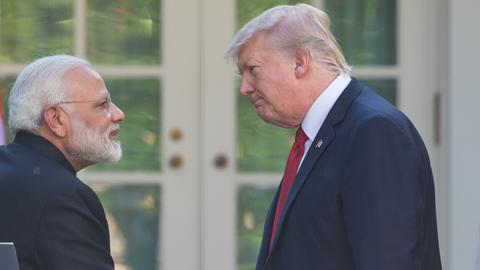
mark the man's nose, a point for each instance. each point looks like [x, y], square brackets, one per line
[117, 114]
[245, 87]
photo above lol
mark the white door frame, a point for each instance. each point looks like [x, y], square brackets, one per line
[218, 137]
[181, 212]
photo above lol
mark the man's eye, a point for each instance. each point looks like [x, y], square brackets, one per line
[253, 70]
[106, 104]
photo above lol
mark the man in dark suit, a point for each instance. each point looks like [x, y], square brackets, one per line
[63, 120]
[357, 191]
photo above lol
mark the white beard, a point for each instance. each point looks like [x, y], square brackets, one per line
[91, 146]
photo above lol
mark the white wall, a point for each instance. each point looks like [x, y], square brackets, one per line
[463, 132]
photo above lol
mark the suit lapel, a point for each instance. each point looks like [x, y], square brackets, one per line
[324, 137]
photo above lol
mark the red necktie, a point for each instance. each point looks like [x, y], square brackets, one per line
[294, 158]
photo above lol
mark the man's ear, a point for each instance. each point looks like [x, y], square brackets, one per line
[55, 120]
[302, 62]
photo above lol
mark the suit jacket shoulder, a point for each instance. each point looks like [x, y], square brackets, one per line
[55, 220]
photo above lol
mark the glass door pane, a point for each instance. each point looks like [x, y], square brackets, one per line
[30, 28]
[124, 32]
[366, 30]
[253, 204]
[387, 88]
[133, 214]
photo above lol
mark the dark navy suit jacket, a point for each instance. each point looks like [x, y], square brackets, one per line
[55, 221]
[363, 200]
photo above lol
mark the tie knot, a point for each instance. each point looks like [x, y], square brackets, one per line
[300, 136]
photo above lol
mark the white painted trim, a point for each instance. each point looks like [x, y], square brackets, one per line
[121, 177]
[463, 128]
[180, 231]
[376, 72]
[7, 70]
[123, 71]
[417, 69]
[130, 71]
[218, 137]
[80, 33]
[259, 178]
[442, 85]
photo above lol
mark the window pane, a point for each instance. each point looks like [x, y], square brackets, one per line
[139, 99]
[366, 30]
[248, 9]
[30, 29]
[123, 32]
[253, 204]
[133, 214]
[260, 146]
[386, 88]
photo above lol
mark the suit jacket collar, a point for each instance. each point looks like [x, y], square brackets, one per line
[325, 135]
[43, 147]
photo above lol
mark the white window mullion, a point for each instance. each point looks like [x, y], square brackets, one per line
[120, 178]
[80, 41]
[376, 72]
[11, 70]
[129, 71]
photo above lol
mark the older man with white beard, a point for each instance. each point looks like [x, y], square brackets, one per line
[64, 120]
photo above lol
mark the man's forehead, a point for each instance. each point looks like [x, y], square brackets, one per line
[80, 72]
[253, 46]
[84, 81]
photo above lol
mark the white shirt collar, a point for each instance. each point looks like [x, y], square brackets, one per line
[317, 113]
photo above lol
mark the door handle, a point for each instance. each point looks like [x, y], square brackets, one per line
[220, 161]
[176, 161]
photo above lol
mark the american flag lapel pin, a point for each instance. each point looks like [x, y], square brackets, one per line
[319, 144]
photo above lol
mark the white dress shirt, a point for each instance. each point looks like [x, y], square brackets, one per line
[319, 110]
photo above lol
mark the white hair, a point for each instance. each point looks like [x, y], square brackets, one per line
[40, 84]
[290, 27]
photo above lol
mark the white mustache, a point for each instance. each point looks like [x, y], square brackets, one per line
[114, 127]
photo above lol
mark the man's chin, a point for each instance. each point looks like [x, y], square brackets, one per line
[265, 117]
[115, 152]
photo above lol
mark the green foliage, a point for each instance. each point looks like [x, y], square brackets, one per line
[260, 146]
[134, 213]
[248, 9]
[366, 29]
[386, 88]
[253, 203]
[123, 32]
[30, 29]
